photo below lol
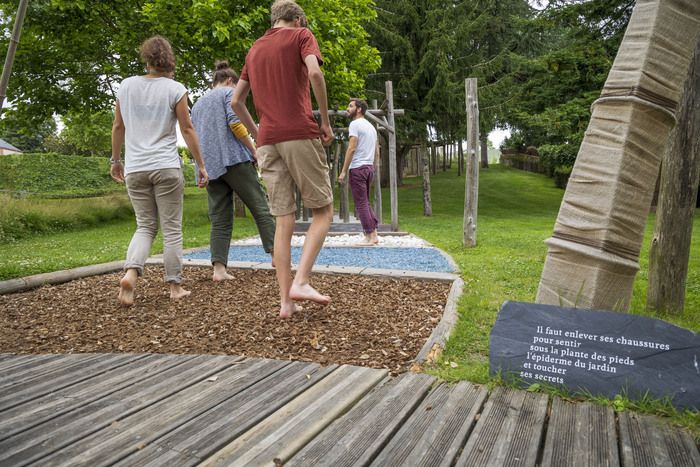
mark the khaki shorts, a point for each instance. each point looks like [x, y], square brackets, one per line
[300, 163]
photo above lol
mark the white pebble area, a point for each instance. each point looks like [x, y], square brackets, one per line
[405, 241]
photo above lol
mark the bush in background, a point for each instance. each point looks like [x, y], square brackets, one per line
[22, 218]
[61, 176]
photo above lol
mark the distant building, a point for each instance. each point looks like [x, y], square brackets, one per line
[7, 148]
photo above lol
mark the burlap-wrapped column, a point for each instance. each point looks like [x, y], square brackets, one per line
[594, 250]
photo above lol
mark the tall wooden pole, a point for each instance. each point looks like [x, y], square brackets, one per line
[425, 169]
[392, 157]
[377, 177]
[12, 48]
[680, 168]
[471, 188]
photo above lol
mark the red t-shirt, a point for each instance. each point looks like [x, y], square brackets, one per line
[279, 80]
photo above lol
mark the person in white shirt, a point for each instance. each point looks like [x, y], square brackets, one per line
[145, 114]
[360, 157]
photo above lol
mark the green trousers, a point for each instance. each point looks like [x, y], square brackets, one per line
[243, 180]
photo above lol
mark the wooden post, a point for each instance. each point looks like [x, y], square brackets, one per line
[427, 203]
[377, 177]
[471, 191]
[11, 48]
[392, 158]
[670, 245]
[344, 201]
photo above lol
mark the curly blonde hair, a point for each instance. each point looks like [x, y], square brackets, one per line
[286, 10]
[158, 54]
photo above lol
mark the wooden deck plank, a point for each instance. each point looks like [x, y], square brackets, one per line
[437, 429]
[358, 436]
[39, 368]
[73, 372]
[647, 441]
[11, 362]
[129, 434]
[62, 401]
[580, 434]
[290, 428]
[200, 438]
[44, 439]
[508, 431]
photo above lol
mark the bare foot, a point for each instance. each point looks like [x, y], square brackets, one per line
[177, 292]
[306, 292]
[126, 291]
[219, 276]
[286, 311]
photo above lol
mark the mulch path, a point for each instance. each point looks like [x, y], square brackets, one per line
[374, 322]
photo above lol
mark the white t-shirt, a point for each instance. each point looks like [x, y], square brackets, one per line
[366, 142]
[147, 106]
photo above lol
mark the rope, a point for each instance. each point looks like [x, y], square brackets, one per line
[642, 96]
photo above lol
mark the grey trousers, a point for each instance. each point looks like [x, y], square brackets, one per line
[243, 180]
[157, 194]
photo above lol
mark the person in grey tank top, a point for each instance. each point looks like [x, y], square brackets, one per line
[229, 154]
[145, 115]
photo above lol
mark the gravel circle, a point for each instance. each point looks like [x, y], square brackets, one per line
[408, 259]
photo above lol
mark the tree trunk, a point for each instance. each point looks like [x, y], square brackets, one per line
[594, 250]
[427, 203]
[484, 152]
[670, 245]
[238, 206]
[460, 160]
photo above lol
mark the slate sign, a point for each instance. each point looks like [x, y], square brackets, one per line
[602, 352]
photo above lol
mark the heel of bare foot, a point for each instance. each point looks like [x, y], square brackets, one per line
[126, 291]
[286, 311]
[220, 276]
[177, 292]
[306, 292]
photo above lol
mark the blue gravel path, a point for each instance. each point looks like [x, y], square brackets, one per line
[408, 259]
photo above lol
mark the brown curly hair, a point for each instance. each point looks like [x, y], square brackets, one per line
[158, 54]
[222, 72]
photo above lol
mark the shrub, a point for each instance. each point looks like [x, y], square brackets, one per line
[561, 175]
[557, 155]
[21, 218]
[63, 176]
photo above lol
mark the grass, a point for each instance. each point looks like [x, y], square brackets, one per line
[104, 241]
[517, 211]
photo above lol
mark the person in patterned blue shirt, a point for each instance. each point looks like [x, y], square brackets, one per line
[229, 155]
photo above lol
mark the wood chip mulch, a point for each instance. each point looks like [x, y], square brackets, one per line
[374, 322]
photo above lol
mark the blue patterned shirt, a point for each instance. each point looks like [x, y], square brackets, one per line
[211, 116]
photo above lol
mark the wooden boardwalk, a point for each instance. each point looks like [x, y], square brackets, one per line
[172, 410]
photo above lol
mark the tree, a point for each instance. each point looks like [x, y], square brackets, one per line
[25, 138]
[594, 250]
[74, 53]
[556, 77]
[670, 244]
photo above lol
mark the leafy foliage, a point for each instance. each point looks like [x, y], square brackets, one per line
[73, 53]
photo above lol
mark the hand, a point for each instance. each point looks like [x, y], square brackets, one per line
[327, 136]
[341, 177]
[116, 171]
[203, 179]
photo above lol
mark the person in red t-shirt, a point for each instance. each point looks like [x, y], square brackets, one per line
[278, 69]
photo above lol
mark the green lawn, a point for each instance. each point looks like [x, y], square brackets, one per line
[517, 211]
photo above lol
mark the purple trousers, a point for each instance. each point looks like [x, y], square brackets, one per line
[360, 180]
